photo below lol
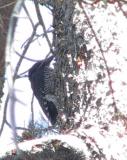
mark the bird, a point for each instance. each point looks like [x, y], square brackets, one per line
[41, 77]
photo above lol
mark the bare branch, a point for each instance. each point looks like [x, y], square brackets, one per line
[4, 114]
[24, 57]
[15, 76]
[42, 23]
[32, 110]
[7, 5]
[25, 50]
[17, 128]
[25, 8]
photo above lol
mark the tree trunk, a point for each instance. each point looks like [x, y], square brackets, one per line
[6, 8]
[71, 63]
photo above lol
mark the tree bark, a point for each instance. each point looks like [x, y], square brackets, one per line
[70, 47]
[6, 8]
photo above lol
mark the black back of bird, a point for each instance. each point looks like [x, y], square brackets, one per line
[42, 81]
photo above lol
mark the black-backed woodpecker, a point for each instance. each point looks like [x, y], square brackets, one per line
[41, 76]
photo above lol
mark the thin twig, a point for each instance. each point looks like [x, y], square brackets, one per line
[4, 114]
[32, 110]
[12, 115]
[15, 76]
[17, 128]
[28, 15]
[42, 24]
[24, 52]
[24, 57]
[7, 5]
